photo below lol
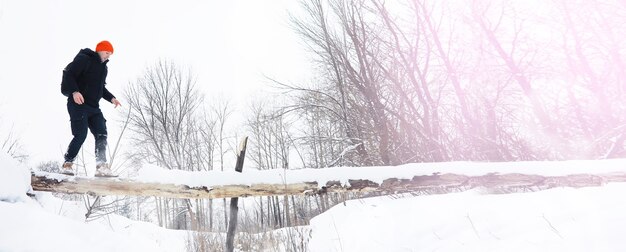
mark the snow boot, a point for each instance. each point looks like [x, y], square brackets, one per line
[103, 170]
[67, 168]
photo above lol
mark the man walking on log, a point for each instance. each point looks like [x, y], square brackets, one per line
[84, 83]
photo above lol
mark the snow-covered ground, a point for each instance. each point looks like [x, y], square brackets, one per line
[561, 219]
[27, 226]
[564, 219]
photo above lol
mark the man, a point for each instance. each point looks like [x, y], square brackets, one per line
[84, 81]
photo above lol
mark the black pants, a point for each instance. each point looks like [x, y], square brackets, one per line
[85, 117]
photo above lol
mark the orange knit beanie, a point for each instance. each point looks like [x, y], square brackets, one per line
[104, 46]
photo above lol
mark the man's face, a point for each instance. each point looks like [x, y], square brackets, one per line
[104, 55]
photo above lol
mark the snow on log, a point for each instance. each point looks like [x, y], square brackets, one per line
[421, 184]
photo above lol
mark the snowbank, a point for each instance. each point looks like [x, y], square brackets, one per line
[564, 219]
[51, 224]
[14, 179]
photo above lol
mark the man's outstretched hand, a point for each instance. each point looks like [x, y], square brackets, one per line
[116, 102]
[79, 99]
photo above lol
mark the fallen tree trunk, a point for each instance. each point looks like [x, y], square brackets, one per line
[423, 184]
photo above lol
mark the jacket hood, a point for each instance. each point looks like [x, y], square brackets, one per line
[90, 54]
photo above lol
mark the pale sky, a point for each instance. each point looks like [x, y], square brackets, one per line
[229, 45]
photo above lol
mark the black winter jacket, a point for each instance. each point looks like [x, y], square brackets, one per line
[86, 74]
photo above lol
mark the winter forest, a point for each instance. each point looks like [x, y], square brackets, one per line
[395, 82]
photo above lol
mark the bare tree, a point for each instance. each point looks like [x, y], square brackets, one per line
[381, 88]
[345, 54]
[272, 141]
[594, 60]
[271, 145]
[414, 81]
[164, 116]
[167, 127]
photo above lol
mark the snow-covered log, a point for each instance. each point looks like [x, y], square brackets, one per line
[421, 184]
[120, 186]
